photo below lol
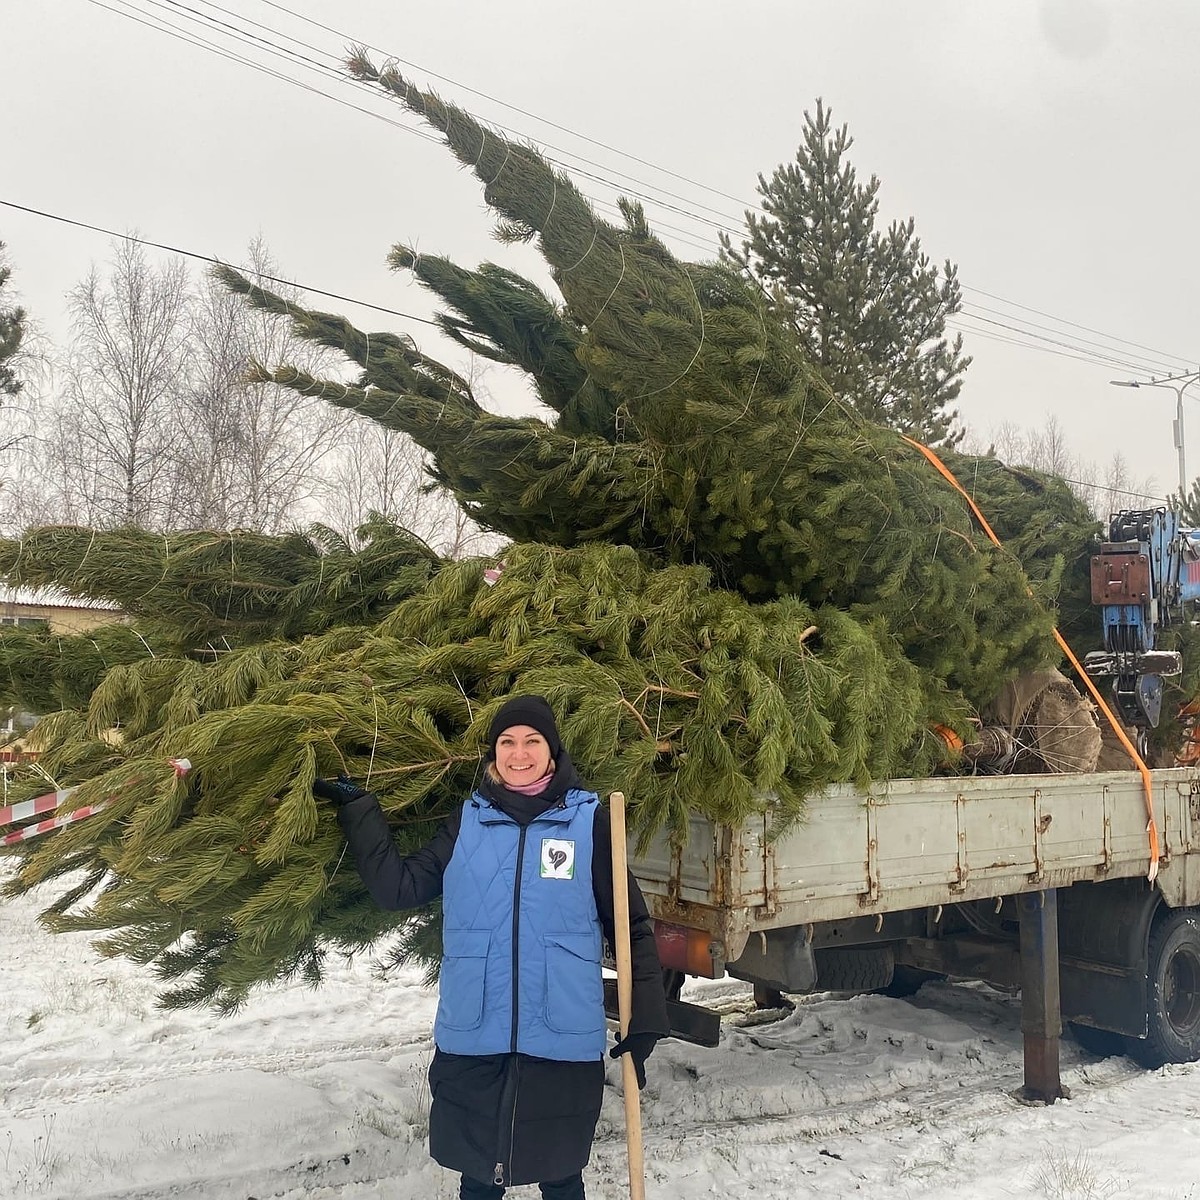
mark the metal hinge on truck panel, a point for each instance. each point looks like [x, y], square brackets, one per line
[1038, 829]
[770, 905]
[675, 881]
[1106, 809]
[1165, 834]
[871, 895]
[1193, 811]
[961, 870]
[723, 864]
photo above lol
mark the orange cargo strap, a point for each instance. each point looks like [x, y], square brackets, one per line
[1147, 787]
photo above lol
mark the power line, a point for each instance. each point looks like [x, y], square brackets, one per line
[1028, 345]
[1116, 491]
[172, 249]
[644, 162]
[1100, 359]
[275, 48]
[161, 25]
[335, 73]
[1036, 329]
[425, 320]
[1029, 329]
[164, 26]
[511, 107]
[129, 237]
[1063, 321]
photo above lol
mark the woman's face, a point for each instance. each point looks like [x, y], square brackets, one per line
[522, 755]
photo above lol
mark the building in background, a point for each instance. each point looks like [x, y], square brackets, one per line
[57, 612]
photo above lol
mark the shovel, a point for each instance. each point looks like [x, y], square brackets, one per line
[633, 1107]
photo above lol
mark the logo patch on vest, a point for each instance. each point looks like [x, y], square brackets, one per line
[558, 859]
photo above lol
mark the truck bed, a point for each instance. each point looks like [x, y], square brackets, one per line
[908, 844]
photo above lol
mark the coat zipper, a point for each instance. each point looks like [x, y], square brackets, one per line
[507, 1118]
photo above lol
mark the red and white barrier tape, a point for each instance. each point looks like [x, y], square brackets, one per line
[32, 831]
[51, 801]
[31, 808]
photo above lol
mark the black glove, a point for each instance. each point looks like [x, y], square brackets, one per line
[340, 790]
[639, 1047]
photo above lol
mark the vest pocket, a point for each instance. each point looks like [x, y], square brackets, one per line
[574, 986]
[464, 965]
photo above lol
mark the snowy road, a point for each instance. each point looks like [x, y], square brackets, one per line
[320, 1094]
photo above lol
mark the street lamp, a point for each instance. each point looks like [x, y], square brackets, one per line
[1169, 382]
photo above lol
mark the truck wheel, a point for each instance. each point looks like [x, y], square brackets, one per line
[854, 968]
[1172, 991]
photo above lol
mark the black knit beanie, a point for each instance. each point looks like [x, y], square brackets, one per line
[525, 710]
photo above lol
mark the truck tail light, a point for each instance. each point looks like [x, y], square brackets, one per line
[681, 948]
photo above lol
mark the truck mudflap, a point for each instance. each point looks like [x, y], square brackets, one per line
[689, 1022]
[1103, 935]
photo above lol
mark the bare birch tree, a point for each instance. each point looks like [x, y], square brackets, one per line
[1047, 449]
[250, 452]
[13, 422]
[380, 470]
[125, 375]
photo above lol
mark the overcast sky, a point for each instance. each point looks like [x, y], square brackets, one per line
[1047, 146]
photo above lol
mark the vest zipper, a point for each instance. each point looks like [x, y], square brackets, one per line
[516, 934]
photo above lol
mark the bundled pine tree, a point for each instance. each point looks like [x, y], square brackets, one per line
[194, 594]
[686, 695]
[733, 589]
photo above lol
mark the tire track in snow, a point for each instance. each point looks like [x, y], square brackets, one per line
[28, 1096]
[906, 1105]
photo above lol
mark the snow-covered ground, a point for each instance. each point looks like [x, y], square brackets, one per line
[321, 1095]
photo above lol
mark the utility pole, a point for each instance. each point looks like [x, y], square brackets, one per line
[1177, 384]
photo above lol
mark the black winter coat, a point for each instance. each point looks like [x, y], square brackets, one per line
[533, 1117]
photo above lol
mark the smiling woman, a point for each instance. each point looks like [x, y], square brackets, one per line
[524, 869]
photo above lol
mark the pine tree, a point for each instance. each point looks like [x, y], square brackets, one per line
[868, 306]
[729, 584]
[12, 332]
[1187, 505]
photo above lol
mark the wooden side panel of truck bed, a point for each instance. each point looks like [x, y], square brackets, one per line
[911, 844]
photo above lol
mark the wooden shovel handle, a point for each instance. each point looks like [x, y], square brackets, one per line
[633, 1107]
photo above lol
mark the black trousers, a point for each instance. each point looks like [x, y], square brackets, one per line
[570, 1188]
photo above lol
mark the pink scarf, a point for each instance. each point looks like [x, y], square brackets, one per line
[532, 789]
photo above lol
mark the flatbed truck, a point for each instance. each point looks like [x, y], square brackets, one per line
[1034, 881]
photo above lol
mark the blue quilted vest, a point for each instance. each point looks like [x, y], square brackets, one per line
[518, 900]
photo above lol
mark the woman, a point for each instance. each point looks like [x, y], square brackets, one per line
[525, 872]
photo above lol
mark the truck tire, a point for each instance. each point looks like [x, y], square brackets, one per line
[1172, 991]
[854, 968]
